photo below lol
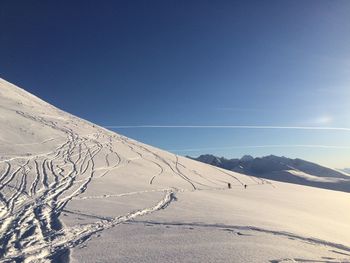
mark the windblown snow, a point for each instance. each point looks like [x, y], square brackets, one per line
[71, 191]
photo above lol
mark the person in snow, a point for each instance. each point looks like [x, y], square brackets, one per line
[229, 185]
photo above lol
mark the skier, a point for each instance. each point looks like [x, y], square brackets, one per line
[229, 185]
[245, 186]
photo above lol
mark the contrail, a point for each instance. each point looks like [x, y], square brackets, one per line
[264, 146]
[230, 127]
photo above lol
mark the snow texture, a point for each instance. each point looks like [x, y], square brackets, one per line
[71, 191]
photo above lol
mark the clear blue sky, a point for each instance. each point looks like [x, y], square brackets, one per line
[284, 63]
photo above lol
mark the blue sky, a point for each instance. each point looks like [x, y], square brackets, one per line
[117, 63]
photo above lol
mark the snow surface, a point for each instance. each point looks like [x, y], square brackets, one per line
[316, 178]
[283, 169]
[73, 191]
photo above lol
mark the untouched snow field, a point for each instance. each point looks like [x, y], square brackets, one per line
[71, 191]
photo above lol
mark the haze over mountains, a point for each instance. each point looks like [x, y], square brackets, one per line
[283, 169]
[71, 191]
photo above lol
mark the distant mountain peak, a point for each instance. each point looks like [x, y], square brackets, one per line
[247, 158]
[284, 169]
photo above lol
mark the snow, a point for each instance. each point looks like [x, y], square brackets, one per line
[73, 191]
[314, 178]
[284, 169]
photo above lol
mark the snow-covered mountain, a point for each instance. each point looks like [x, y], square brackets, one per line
[346, 170]
[283, 169]
[73, 191]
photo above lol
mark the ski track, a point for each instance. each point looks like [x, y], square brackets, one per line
[253, 229]
[119, 195]
[35, 189]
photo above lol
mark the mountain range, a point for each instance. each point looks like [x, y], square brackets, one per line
[283, 169]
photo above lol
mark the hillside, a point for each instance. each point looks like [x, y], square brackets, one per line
[347, 170]
[71, 191]
[296, 171]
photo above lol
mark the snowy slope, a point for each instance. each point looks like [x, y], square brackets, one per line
[347, 171]
[73, 191]
[283, 169]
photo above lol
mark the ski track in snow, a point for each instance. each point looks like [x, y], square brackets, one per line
[242, 230]
[35, 189]
[237, 228]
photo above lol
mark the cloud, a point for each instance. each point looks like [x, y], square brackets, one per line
[228, 127]
[240, 109]
[323, 120]
[264, 146]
